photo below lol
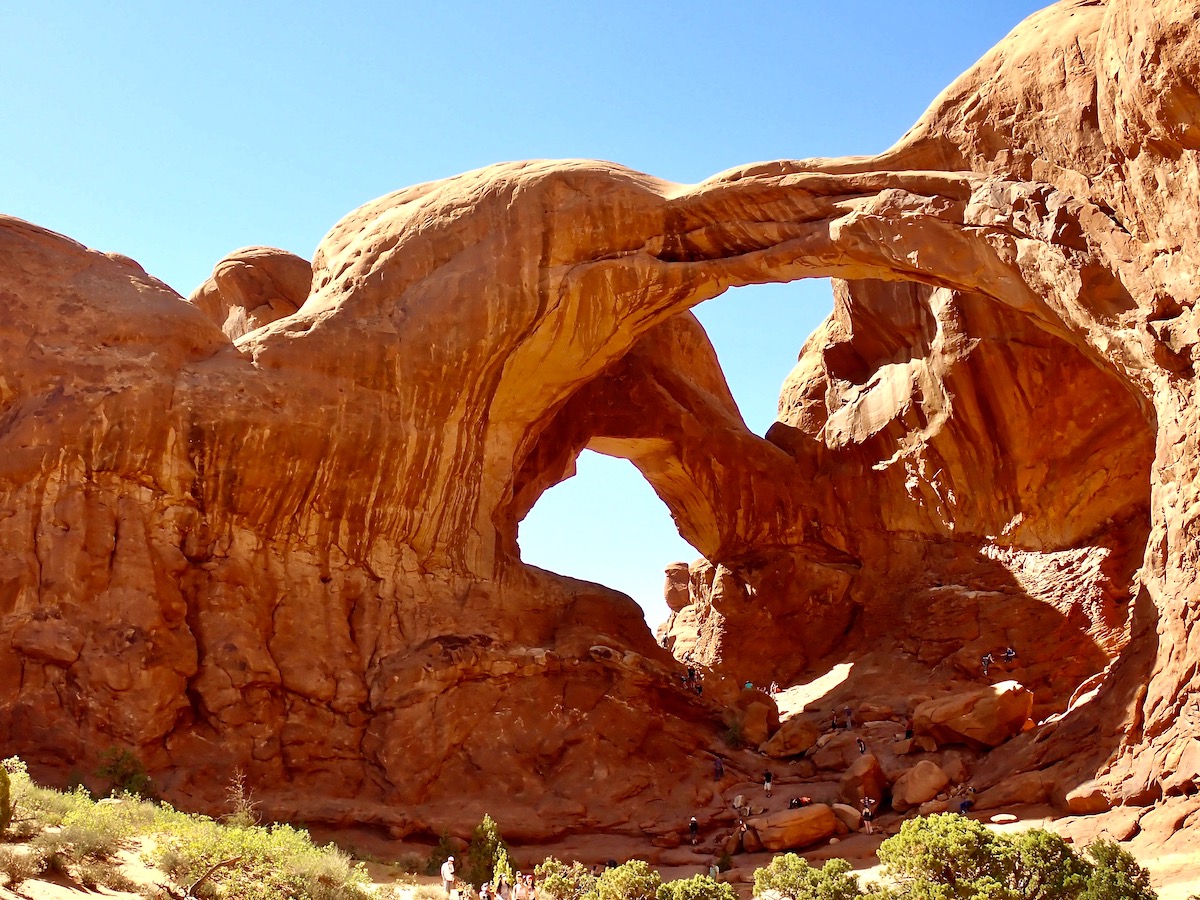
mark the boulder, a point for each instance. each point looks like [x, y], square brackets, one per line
[864, 778]
[794, 737]
[848, 814]
[751, 842]
[931, 807]
[1087, 799]
[756, 723]
[984, 717]
[792, 829]
[838, 752]
[675, 591]
[1018, 790]
[917, 785]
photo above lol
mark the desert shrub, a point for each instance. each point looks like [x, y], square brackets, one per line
[790, 876]
[559, 881]
[243, 808]
[18, 864]
[255, 863]
[487, 854]
[733, 737]
[634, 880]
[1045, 867]
[98, 830]
[698, 887]
[1115, 874]
[94, 874]
[125, 773]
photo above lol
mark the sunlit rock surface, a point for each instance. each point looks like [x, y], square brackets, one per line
[275, 528]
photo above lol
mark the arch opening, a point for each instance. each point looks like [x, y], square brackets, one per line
[605, 524]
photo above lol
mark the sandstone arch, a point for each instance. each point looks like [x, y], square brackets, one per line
[183, 513]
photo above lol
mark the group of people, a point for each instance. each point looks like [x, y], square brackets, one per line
[987, 659]
[521, 887]
[692, 680]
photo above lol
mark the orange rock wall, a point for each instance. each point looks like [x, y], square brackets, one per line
[290, 545]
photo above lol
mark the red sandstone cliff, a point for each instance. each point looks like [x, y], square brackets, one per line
[290, 545]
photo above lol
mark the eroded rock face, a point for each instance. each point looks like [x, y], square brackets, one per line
[290, 545]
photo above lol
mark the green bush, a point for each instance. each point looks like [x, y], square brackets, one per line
[698, 887]
[442, 851]
[125, 773]
[19, 864]
[634, 880]
[1115, 875]
[487, 854]
[559, 881]
[948, 857]
[259, 863]
[792, 877]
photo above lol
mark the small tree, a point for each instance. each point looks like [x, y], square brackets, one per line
[441, 851]
[951, 852]
[792, 877]
[634, 880]
[486, 850]
[559, 881]
[1046, 867]
[698, 887]
[125, 773]
[1115, 875]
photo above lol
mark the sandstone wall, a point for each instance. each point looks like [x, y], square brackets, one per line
[293, 548]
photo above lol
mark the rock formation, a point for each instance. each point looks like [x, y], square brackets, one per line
[275, 528]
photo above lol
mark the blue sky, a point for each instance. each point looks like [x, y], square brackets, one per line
[175, 133]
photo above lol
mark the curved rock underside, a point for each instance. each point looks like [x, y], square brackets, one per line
[275, 528]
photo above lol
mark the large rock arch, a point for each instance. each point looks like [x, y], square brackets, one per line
[295, 551]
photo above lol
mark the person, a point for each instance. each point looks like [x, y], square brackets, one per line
[794, 803]
[718, 769]
[518, 889]
[908, 729]
[503, 888]
[448, 875]
[835, 721]
[774, 688]
[868, 814]
[699, 690]
[987, 661]
[964, 806]
[694, 830]
[485, 892]
[691, 676]
[1009, 654]
[767, 778]
[862, 746]
[749, 685]
[849, 714]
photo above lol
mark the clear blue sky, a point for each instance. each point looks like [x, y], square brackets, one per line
[175, 133]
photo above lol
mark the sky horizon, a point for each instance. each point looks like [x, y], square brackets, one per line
[177, 134]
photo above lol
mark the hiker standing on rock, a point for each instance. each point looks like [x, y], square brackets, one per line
[767, 778]
[718, 769]
[448, 875]
[868, 815]
[694, 828]
[986, 661]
